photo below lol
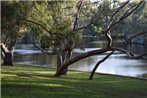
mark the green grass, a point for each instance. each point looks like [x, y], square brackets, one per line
[33, 82]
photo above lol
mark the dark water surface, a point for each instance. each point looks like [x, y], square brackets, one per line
[118, 63]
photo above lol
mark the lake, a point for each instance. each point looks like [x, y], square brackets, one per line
[118, 63]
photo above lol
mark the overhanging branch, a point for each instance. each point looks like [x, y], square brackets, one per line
[134, 36]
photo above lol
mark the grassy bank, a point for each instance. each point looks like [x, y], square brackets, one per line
[33, 82]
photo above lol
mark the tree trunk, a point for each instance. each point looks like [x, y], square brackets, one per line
[6, 55]
[61, 59]
[79, 57]
[59, 64]
[8, 59]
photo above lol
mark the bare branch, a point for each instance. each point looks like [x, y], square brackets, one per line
[131, 10]
[114, 14]
[129, 53]
[112, 17]
[79, 6]
[140, 56]
[125, 15]
[134, 36]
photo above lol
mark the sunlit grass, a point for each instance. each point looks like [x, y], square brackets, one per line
[34, 82]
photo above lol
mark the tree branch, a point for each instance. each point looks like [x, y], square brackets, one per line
[79, 6]
[81, 56]
[131, 10]
[113, 15]
[91, 22]
[125, 15]
[98, 63]
[39, 25]
[134, 36]
[140, 56]
[43, 51]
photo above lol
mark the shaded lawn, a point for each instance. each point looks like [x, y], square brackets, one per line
[33, 82]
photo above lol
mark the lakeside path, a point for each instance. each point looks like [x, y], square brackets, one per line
[20, 81]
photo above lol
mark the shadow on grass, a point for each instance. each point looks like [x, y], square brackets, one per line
[34, 82]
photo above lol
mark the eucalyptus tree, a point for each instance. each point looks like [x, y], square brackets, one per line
[12, 27]
[57, 21]
[113, 18]
[61, 24]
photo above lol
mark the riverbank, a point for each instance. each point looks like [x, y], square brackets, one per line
[34, 82]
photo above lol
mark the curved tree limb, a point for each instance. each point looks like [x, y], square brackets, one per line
[39, 25]
[98, 63]
[136, 35]
[81, 56]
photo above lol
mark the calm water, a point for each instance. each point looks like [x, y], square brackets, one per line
[117, 64]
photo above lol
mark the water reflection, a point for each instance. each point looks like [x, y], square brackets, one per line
[117, 64]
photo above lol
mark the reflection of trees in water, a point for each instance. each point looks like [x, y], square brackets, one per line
[39, 59]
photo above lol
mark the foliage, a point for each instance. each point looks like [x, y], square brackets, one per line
[134, 24]
[54, 16]
[35, 82]
[12, 15]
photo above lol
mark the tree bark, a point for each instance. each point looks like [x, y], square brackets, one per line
[61, 59]
[81, 56]
[96, 66]
[7, 56]
[8, 60]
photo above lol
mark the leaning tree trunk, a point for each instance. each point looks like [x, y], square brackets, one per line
[7, 56]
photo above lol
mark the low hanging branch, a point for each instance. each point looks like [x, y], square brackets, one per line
[140, 56]
[81, 56]
[98, 63]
